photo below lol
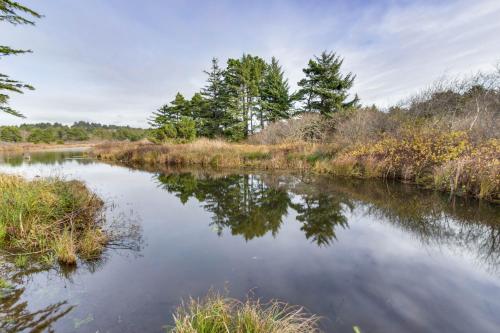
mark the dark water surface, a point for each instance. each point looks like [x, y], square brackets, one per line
[384, 257]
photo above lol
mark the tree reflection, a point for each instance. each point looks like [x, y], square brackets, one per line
[247, 206]
[244, 204]
[15, 315]
[320, 214]
[254, 205]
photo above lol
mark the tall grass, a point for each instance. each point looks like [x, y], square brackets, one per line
[218, 314]
[443, 160]
[50, 216]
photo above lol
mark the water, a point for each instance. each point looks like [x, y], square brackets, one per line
[384, 257]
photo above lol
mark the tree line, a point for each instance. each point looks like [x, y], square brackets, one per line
[79, 131]
[247, 94]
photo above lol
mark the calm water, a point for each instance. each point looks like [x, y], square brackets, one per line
[384, 257]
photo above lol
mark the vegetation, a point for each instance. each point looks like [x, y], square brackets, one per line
[249, 94]
[52, 217]
[78, 132]
[14, 13]
[218, 314]
[446, 138]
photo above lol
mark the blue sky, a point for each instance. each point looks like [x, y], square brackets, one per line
[116, 61]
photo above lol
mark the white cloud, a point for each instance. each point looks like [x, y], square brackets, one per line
[115, 63]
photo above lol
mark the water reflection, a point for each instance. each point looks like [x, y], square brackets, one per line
[254, 205]
[54, 158]
[15, 315]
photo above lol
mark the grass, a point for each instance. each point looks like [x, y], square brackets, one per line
[445, 161]
[209, 153]
[8, 147]
[218, 314]
[53, 217]
[4, 284]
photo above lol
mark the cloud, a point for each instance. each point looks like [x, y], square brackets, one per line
[115, 61]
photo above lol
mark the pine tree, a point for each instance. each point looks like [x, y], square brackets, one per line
[275, 97]
[215, 95]
[198, 110]
[13, 13]
[325, 89]
[170, 113]
[244, 78]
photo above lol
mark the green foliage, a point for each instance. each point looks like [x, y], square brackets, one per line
[249, 94]
[325, 89]
[276, 101]
[42, 136]
[14, 13]
[10, 134]
[79, 131]
[165, 133]
[186, 129]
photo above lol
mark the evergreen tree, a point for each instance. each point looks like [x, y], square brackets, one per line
[275, 97]
[215, 94]
[244, 78]
[13, 13]
[325, 89]
[198, 110]
[170, 113]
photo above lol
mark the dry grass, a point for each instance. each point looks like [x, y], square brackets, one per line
[218, 314]
[447, 161]
[50, 216]
[210, 153]
[6, 147]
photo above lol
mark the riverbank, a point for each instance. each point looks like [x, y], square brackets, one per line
[53, 218]
[441, 161]
[7, 147]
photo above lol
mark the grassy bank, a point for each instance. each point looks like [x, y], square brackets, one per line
[55, 218]
[447, 161]
[8, 147]
[216, 313]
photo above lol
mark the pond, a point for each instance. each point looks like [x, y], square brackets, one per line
[382, 256]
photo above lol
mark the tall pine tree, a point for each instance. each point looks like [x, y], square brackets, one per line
[14, 13]
[276, 101]
[215, 95]
[325, 89]
[244, 79]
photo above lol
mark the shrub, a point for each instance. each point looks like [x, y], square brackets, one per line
[42, 135]
[186, 129]
[10, 134]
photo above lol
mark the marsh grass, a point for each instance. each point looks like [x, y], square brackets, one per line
[218, 314]
[52, 217]
[446, 161]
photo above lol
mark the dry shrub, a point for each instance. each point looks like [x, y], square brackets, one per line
[310, 127]
[363, 125]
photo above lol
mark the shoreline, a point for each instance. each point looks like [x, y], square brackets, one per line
[32, 147]
[300, 157]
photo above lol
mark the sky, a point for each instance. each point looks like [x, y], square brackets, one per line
[116, 61]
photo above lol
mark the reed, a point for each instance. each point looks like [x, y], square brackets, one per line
[218, 314]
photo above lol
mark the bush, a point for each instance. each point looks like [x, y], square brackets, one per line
[76, 134]
[10, 134]
[310, 127]
[41, 135]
